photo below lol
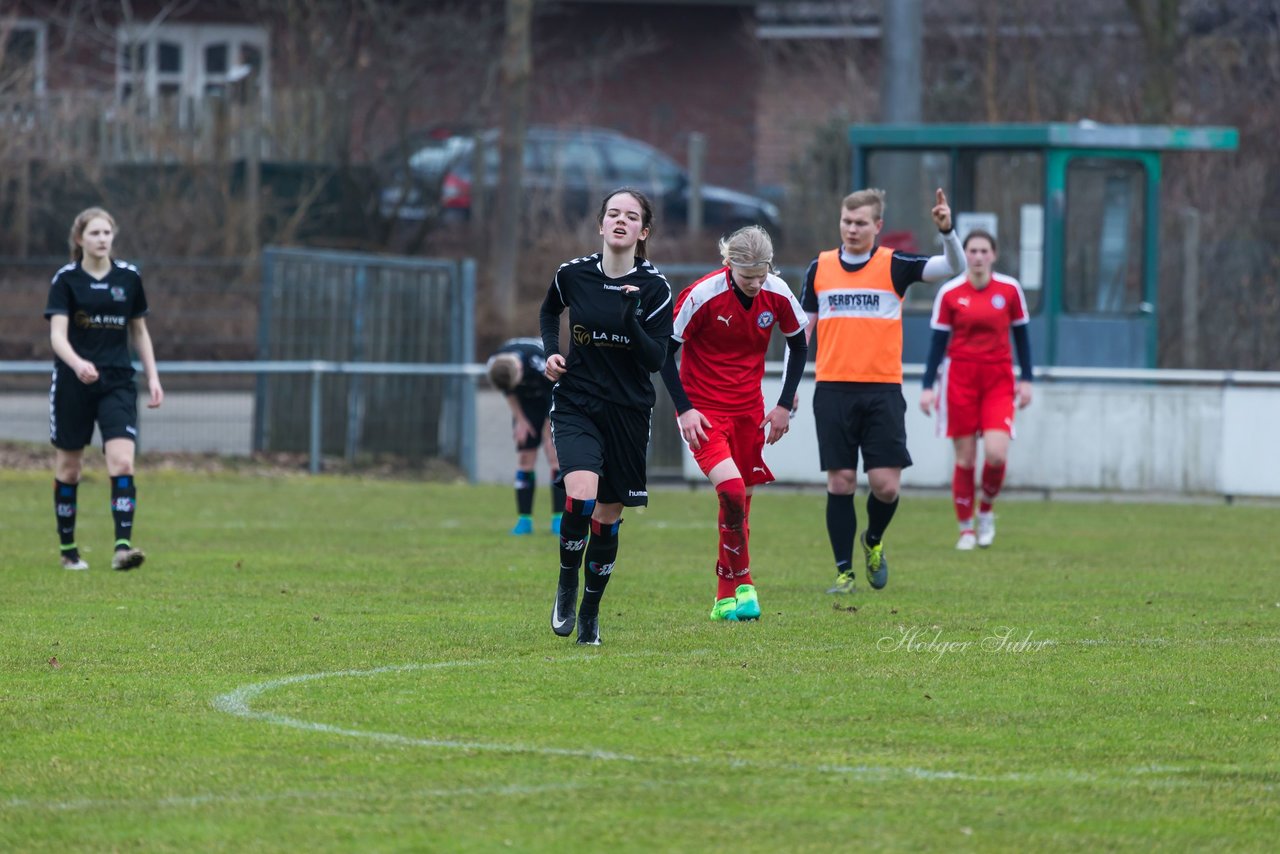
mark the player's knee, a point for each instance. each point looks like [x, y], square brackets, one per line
[733, 501]
[607, 514]
[68, 471]
[120, 469]
[884, 487]
[842, 482]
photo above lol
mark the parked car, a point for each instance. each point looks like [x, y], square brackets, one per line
[566, 170]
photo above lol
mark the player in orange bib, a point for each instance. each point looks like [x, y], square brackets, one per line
[853, 296]
[972, 317]
[724, 322]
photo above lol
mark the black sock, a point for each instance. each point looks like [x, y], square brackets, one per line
[64, 505]
[602, 551]
[557, 493]
[842, 526]
[574, 527]
[525, 483]
[124, 499]
[878, 516]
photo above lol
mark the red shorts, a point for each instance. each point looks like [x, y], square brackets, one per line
[739, 437]
[976, 397]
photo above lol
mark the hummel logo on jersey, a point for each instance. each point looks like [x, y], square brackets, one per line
[725, 319]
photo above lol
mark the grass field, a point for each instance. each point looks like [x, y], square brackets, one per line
[353, 665]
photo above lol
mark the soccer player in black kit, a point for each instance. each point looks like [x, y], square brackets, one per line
[516, 370]
[602, 404]
[96, 304]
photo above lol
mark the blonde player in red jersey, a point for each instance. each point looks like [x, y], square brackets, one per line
[724, 322]
[975, 313]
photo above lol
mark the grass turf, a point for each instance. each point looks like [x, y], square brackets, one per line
[344, 664]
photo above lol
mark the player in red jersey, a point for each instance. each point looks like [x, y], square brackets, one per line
[976, 312]
[724, 321]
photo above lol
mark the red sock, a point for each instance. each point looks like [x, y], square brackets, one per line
[732, 561]
[962, 493]
[992, 479]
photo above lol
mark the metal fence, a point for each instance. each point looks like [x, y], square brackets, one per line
[221, 417]
[352, 309]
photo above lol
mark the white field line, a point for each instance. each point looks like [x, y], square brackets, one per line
[238, 702]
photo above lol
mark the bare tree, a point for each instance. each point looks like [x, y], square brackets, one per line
[517, 65]
[1158, 21]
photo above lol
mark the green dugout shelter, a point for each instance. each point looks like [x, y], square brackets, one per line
[1075, 209]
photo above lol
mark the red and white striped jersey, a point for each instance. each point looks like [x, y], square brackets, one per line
[979, 320]
[725, 344]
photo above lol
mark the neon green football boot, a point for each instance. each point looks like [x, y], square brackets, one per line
[748, 604]
[725, 609]
[877, 566]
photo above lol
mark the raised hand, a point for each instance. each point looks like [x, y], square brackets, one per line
[941, 212]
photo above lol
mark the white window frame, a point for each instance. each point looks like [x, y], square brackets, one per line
[192, 39]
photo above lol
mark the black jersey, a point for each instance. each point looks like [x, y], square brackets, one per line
[533, 384]
[98, 312]
[603, 361]
[905, 269]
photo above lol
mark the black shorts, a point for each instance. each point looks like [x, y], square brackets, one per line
[851, 419]
[613, 441]
[111, 402]
[534, 409]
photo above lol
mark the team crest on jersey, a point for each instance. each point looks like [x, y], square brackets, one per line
[117, 293]
[997, 301]
[765, 320]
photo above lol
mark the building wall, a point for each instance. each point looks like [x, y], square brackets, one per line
[657, 72]
[803, 86]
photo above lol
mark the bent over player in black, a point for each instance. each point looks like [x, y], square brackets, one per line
[95, 305]
[516, 370]
[602, 404]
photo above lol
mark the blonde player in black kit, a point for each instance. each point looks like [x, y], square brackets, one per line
[602, 404]
[96, 305]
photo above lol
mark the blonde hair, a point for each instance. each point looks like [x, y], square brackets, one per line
[504, 369]
[749, 246]
[80, 223]
[870, 197]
